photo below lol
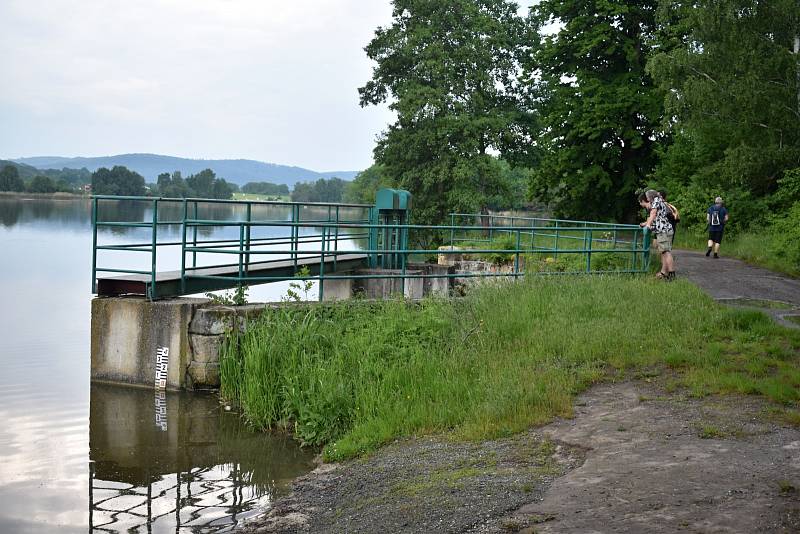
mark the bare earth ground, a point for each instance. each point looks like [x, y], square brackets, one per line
[632, 459]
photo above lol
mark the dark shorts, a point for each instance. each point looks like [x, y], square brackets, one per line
[715, 236]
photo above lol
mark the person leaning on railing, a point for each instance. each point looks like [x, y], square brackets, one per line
[659, 223]
[673, 215]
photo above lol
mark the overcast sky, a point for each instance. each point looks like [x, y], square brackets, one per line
[272, 80]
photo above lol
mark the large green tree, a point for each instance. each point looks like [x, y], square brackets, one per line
[730, 76]
[323, 190]
[365, 185]
[42, 184]
[448, 69]
[600, 111]
[118, 180]
[10, 180]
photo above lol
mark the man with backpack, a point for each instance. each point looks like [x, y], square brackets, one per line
[717, 216]
[673, 216]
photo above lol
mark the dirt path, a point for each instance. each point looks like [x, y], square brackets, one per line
[633, 459]
[736, 282]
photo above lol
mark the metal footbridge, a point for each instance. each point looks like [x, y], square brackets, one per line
[167, 247]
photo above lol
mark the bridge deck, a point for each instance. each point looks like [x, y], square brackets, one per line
[168, 283]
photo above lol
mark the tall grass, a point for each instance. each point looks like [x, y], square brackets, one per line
[355, 375]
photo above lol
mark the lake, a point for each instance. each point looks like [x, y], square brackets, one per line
[77, 456]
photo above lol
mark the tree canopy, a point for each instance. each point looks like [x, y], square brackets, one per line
[204, 184]
[10, 180]
[600, 111]
[448, 70]
[323, 190]
[118, 180]
[730, 78]
[266, 188]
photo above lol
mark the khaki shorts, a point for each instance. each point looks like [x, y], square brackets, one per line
[664, 240]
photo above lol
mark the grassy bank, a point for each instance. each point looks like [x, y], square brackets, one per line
[508, 356]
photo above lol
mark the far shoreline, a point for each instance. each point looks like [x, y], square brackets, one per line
[59, 195]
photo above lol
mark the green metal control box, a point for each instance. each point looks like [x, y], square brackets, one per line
[393, 200]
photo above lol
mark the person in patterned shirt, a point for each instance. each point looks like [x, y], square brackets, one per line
[658, 222]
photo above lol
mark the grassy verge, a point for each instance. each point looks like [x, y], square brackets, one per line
[354, 376]
[762, 248]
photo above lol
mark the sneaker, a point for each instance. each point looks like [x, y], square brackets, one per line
[708, 253]
[716, 255]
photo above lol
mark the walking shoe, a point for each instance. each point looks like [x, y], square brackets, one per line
[716, 255]
[708, 253]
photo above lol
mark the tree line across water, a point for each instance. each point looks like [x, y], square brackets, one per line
[120, 180]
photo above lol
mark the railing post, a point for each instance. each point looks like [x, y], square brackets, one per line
[94, 245]
[646, 240]
[589, 251]
[633, 249]
[183, 246]
[372, 239]
[452, 230]
[247, 237]
[194, 237]
[555, 255]
[295, 233]
[241, 255]
[336, 240]
[516, 260]
[322, 267]
[153, 292]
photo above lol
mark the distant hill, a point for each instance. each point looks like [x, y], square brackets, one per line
[26, 172]
[238, 171]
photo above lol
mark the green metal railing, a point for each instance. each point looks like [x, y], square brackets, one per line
[321, 236]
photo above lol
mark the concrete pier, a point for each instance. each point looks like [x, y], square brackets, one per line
[175, 343]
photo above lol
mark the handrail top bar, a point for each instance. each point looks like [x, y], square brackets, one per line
[333, 224]
[226, 201]
[537, 219]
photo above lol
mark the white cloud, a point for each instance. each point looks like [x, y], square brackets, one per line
[264, 79]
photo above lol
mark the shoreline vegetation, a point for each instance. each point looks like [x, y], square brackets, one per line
[508, 356]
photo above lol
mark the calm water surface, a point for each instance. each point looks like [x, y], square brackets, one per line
[75, 455]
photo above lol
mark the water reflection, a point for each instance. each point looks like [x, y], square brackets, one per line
[175, 461]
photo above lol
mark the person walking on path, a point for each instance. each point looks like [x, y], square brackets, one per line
[717, 216]
[658, 222]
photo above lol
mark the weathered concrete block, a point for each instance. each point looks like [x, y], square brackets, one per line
[449, 258]
[204, 375]
[212, 320]
[205, 348]
[127, 332]
[338, 289]
[435, 286]
[382, 288]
